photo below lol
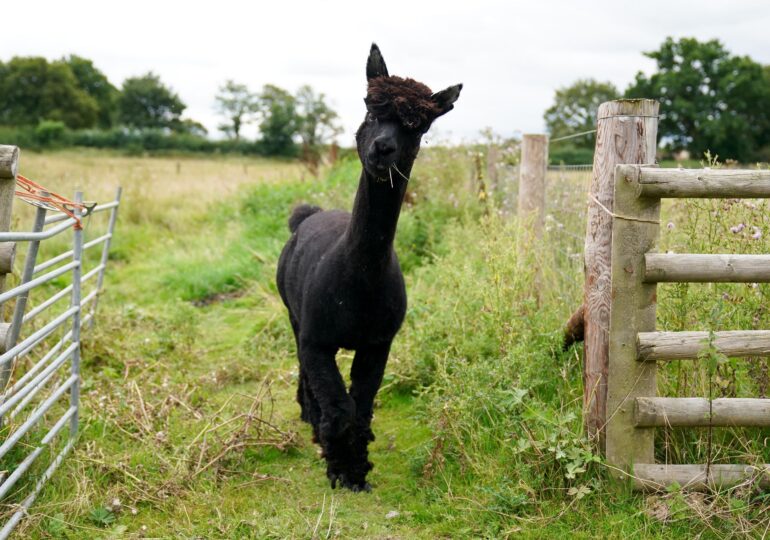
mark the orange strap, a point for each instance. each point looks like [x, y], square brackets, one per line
[38, 195]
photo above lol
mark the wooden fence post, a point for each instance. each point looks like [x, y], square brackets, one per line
[633, 300]
[626, 134]
[493, 158]
[534, 162]
[9, 168]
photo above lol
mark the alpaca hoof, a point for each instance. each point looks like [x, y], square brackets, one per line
[366, 487]
[355, 487]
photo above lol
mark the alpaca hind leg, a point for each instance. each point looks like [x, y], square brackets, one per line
[366, 378]
[311, 411]
[337, 409]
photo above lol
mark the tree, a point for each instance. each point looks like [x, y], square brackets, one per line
[33, 90]
[236, 103]
[278, 120]
[710, 99]
[316, 121]
[316, 125]
[575, 110]
[146, 102]
[191, 127]
[96, 85]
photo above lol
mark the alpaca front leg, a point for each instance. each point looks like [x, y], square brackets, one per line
[366, 378]
[337, 409]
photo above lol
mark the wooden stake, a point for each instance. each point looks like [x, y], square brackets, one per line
[493, 157]
[632, 310]
[534, 162]
[9, 168]
[7, 257]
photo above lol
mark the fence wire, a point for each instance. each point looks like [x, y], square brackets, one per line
[566, 207]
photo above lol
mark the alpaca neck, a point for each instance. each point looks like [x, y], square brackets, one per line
[374, 219]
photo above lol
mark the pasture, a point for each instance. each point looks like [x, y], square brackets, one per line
[189, 424]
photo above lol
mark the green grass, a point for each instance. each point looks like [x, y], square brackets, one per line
[189, 418]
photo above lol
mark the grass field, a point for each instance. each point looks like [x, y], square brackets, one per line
[189, 424]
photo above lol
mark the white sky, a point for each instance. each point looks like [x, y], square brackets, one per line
[511, 56]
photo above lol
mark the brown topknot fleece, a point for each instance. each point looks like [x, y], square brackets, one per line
[405, 100]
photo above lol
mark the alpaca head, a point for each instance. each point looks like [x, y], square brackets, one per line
[398, 112]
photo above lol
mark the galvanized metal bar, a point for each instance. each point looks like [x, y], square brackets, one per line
[95, 241]
[77, 255]
[107, 206]
[68, 254]
[31, 345]
[98, 208]
[43, 375]
[36, 415]
[21, 302]
[21, 512]
[30, 236]
[22, 467]
[90, 297]
[91, 273]
[16, 291]
[40, 363]
[55, 298]
[37, 310]
[53, 261]
[36, 337]
[24, 402]
[106, 250]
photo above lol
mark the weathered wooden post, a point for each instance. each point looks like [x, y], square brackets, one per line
[627, 132]
[9, 168]
[534, 162]
[633, 305]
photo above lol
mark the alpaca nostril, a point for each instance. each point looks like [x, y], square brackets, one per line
[385, 147]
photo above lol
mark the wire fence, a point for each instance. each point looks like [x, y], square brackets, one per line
[40, 347]
[566, 207]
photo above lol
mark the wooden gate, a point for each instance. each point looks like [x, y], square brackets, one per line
[633, 409]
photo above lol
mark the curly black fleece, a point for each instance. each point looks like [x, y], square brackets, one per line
[407, 101]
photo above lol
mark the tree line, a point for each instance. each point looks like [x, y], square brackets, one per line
[711, 100]
[71, 101]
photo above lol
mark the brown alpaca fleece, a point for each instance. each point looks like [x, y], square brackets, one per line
[409, 102]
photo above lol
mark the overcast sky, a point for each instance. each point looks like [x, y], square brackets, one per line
[511, 56]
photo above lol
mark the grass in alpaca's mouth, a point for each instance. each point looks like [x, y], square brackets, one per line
[390, 175]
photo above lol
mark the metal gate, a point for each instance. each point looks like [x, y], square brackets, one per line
[40, 347]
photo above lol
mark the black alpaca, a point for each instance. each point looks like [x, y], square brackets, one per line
[340, 279]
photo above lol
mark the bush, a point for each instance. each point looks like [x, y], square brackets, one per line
[50, 134]
[53, 134]
[567, 154]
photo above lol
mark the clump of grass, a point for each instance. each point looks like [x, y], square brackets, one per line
[189, 416]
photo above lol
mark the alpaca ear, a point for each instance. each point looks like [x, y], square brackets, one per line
[446, 98]
[375, 65]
